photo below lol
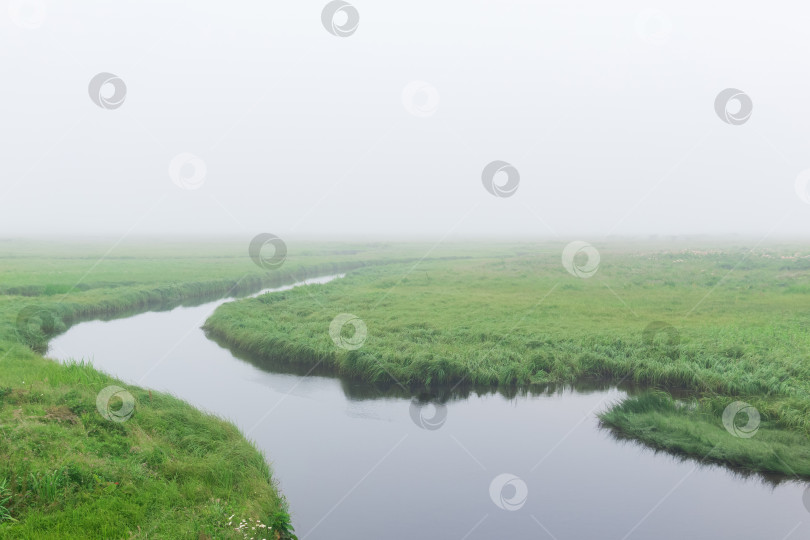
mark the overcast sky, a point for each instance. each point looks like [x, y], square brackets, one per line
[605, 110]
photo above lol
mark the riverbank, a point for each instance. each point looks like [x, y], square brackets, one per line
[168, 471]
[718, 325]
[78, 460]
[724, 325]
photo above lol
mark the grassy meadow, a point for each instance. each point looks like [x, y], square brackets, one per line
[697, 327]
[169, 471]
[717, 324]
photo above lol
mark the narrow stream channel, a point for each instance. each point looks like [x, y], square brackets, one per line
[358, 464]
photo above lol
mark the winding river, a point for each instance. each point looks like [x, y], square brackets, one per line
[359, 462]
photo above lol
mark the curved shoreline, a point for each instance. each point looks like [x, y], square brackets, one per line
[623, 426]
[779, 448]
[39, 394]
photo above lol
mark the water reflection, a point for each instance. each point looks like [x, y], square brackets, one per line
[367, 461]
[359, 390]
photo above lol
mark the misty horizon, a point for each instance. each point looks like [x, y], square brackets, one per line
[231, 123]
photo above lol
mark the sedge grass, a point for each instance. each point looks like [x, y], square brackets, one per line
[736, 326]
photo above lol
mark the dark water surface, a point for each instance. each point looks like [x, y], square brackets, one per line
[354, 462]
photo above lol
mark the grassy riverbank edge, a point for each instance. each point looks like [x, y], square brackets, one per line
[407, 345]
[655, 419]
[689, 429]
[168, 471]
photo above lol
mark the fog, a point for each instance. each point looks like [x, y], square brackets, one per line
[604, 112]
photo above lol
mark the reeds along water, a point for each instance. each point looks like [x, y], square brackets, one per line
[43, 317]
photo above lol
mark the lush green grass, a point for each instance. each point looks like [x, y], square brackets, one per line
[169, 471]
[692, 429]
[740, 319]
[484, 315]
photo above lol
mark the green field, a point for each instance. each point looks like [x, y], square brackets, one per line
[169, 471]
[732, 327]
